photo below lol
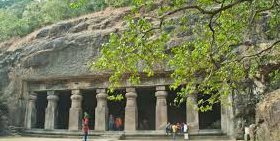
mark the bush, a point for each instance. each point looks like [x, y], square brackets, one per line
[21, 17]
[118, 3]
[11, 25]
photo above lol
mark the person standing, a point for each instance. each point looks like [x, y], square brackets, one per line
[118, 123]
[168, 128]
[186, 135]
[174, 129]
[111, 122]
[85, 125]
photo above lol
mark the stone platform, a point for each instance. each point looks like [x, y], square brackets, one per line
[124, 135]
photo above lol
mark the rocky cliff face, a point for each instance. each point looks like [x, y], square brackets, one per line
[268, 118]
[60, 50]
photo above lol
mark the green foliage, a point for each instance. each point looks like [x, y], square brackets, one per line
[19, 18]
[98, 5]
[10, 25]
[6, 3]
[118, 3]
[274, 79]
[208, 60]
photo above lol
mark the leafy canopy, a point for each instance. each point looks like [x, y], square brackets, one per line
[210, 46]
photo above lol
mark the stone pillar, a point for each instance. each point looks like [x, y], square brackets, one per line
[192, 114]
[101, 110]
[227, 117]
[224, 120]
[161, 108]
[31, 111]
[75, 112]
[131, 111]
[51, 111]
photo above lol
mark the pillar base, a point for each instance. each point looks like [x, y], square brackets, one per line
[75, 117]
[131, 118]
[161, 117]
[101, 116]
[50, 119]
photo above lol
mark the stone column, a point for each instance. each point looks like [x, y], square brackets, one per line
[227, 117]
[51, 111]
[101, 110]
[161, 108]
[31, 111]
[192, 114]
[75, 112]
[131, 112]
[224, 119]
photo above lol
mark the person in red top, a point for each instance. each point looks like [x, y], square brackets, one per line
[85, 125]
[118, 123]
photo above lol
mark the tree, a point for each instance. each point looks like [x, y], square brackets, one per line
[10, 25]
[223, 44]
[6, 3]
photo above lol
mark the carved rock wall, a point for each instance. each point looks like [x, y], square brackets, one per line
[268, 118]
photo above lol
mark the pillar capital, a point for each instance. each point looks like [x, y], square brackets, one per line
[101, 96]
[161, 94]
[76, 92]
[131, 95]
[160, 88]
[50, 92]
[130, 90]
[76, 97]
[52, 98]
[193, 97]
[100, 91]
[32, 97]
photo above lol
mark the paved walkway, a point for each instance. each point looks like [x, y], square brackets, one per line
[67, 139]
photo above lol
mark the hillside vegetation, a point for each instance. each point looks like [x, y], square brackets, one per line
[21, 17]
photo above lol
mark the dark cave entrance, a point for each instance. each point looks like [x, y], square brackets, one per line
[117, 108]
[210, 119]
[88, 105]
[41, 105]
[64, 104]
[176, 113]
[146, 103]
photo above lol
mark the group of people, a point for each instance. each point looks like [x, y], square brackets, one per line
[174, 129]
[115, 124]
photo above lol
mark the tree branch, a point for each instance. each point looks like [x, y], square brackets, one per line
[203, 11]
[262, 10]
[212, 41]
[261, 52]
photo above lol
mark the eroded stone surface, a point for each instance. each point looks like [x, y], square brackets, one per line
[267, 117]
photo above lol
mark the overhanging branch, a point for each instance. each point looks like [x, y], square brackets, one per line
[261, 52]
[203, 11]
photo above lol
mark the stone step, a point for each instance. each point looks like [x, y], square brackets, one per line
[124, 135]
[179, 137]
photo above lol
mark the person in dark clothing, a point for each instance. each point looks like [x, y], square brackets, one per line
[168, 128]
